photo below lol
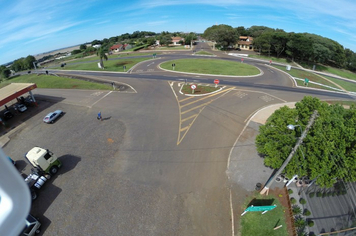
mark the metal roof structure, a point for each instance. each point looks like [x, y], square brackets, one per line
[14, 90]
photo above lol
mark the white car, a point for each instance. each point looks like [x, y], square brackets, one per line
[21, 107]
[51, 117]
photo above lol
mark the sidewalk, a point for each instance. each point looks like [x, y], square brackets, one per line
[246, 167]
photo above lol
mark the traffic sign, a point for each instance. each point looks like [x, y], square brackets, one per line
[193, 86]
[216, 81]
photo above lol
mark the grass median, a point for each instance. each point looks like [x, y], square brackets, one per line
[211, 66]
[55, 82]
[110, 65]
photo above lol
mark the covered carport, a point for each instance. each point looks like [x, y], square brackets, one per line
[14, 91]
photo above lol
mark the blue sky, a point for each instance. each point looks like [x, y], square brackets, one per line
[31, 27]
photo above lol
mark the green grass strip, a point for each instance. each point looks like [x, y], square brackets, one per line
[50, 81]
[211, 66]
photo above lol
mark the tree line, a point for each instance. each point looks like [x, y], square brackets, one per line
[305, 48]
[328, 152]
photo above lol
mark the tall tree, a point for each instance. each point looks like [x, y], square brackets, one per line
[328, 152]
[223, 35]
[102, 55]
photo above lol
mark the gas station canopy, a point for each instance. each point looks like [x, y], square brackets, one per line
[14, 90]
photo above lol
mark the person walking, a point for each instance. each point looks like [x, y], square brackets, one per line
[99, 116]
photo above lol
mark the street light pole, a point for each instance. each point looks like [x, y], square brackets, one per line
[285, 163]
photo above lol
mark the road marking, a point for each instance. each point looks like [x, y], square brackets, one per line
[183, 130]
[150, 64]
[100, 99]
[232, 216]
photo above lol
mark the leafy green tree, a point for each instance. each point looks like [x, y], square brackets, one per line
[102, 55]
[151, 41]
[189, 38]
[223, 35]
[4, 72]
[28, 62]
[76, 51]
[165, 39]
[328, 152]
[242, 31]
[83, 47]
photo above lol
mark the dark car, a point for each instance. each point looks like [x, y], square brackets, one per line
[238, 49]
[8, 115]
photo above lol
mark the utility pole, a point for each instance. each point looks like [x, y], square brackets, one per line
[285, 163]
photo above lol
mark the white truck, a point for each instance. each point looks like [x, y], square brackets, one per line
[43, 160]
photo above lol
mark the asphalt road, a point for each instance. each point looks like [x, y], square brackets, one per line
[156, 164]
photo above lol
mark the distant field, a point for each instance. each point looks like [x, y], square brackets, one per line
[50, 81]
[211, 66]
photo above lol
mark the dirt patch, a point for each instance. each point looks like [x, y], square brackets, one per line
[283, 197]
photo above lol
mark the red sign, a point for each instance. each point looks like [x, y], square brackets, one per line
[216, 81]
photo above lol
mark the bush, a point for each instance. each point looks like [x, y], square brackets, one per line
[302, 201]
[310, 223]
[318, 194]
[296, 210]
[290, 191]
[311, 194]
[306, 212]
[299, 222]
[293, 201]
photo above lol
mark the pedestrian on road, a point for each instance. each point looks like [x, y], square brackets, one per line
[99, 116]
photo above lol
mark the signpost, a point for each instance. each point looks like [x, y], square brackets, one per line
[242, 60]
[124, 68]
[174, 65]
[154, 55]
[216, 82]
[193, 87]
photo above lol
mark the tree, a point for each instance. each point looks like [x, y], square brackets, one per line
[76, 51]
[189, 38]
[165, 39]
[328, 152]
[242, 31]
[29, 62]
[83, 47]
[102, 55]
[4, 72]
[223, 35]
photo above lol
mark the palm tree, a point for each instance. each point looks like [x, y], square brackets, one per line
[102, 54]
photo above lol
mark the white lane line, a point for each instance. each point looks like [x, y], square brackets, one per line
[100, 99]
[232, 216]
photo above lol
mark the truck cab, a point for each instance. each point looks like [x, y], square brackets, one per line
[44, 160]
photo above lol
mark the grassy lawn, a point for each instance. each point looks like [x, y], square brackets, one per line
[211, 66]
[256, 224]
[50, 81]
[274, 59]
[172, 48]
[112, 65]
[204, 53]
[311, 76]
[199, 90]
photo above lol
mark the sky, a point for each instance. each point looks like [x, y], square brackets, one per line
[31, 27]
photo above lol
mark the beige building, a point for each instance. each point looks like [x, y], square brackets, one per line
[245, 43]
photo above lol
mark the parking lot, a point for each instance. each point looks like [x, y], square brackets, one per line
[88, 149]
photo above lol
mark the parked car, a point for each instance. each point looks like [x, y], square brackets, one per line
[8, 115]
[238, 49]
[32, 226]
[21, 107]
[51, 117]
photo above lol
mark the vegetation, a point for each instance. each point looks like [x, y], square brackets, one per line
[110, 65]
[296, 210]
[223, 35]
[293, 200]
[204, 53]
[312, 194]
[254, 223]
[211, 66]
[302, 201]
[306, 212]
[102, 55]
[48, 81]
[23, 64]
[310, 223]
[199, 90]
[290, 191]
[328, 152]
[4, 72]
